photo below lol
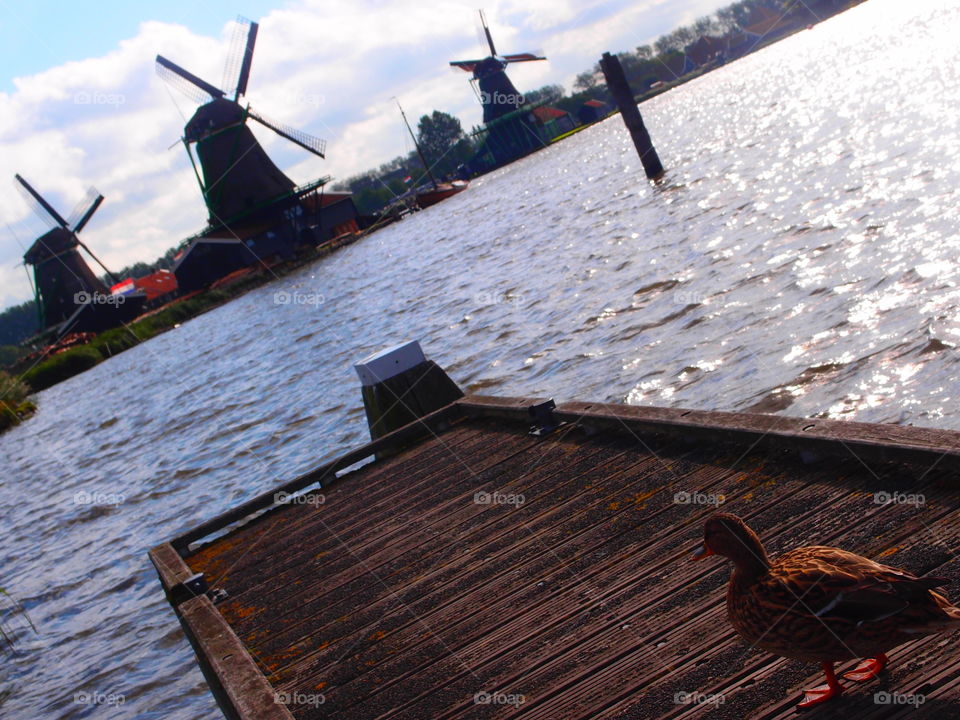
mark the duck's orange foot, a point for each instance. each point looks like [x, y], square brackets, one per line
[819, 695]
[868, 669]
[823, 693]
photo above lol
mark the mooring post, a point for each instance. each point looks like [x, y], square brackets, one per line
[620, 89]
[400, 386]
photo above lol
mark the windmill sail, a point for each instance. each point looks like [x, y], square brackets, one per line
[305, 140]
[238, 180]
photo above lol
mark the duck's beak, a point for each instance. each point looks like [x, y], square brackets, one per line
[701, 552]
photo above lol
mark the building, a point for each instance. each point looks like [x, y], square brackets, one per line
[593, 111]
[553, 121]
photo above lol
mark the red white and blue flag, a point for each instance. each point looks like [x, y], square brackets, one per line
[123, 287]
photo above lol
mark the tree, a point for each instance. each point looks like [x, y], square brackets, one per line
[19, 322]
[681, 37]
[663, 44]
[437, 133]
[587, 80]
[705, 26]
[548, 94]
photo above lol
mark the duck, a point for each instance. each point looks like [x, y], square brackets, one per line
[823, 604]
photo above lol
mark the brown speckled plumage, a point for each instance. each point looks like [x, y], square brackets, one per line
[823, 604]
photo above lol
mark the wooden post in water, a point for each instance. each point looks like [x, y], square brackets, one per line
[620, 89]
[400, 386]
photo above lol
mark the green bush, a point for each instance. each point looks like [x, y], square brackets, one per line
[60, 367]
[13, 400]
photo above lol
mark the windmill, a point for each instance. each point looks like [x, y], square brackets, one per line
[68, 293]
[497, 93]
[240, 183]
[509, 131]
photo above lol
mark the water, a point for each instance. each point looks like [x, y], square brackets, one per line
[801, 256]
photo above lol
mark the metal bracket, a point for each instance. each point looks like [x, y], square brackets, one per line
[190, 588]
[217, 595]
[546, 421]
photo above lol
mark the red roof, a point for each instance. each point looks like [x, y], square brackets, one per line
[595, 103]
[763, 20]
[546, 114]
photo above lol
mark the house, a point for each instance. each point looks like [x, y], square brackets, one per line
[706, 49]
[552, 121]
[762, 21]
[337, 215]
[593, 111]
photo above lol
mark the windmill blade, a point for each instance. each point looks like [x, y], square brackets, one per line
[41, 207]
[236, 72]
[90, 253]
[231, 68]
[486, 31]
[298, 137]
[82, 207]
[247, 61]
[467, 65]
[83, 219]
[189, 84]
[522, 57]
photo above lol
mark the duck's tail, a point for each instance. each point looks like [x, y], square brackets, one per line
[938, 616]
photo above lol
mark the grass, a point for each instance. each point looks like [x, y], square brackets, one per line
[105, 345]
[74, 361]
[14, 405]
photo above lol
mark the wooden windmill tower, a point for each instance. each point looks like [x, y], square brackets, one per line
[70, 296]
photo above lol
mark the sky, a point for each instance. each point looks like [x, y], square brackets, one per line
[81, 104]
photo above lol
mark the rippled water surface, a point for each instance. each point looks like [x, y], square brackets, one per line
[801, 256]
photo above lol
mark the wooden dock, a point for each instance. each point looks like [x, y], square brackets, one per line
[487, 572]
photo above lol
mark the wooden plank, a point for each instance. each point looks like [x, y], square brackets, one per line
[378, 495]
[170, 566]
[241, 689]
[504, 408]
[835, 438]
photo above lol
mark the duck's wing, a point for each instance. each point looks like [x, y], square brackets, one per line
[837, 585]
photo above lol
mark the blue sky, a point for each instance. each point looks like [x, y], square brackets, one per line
[41, 34]
[81, 105]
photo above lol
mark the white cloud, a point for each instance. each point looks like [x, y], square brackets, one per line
[328, 68]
